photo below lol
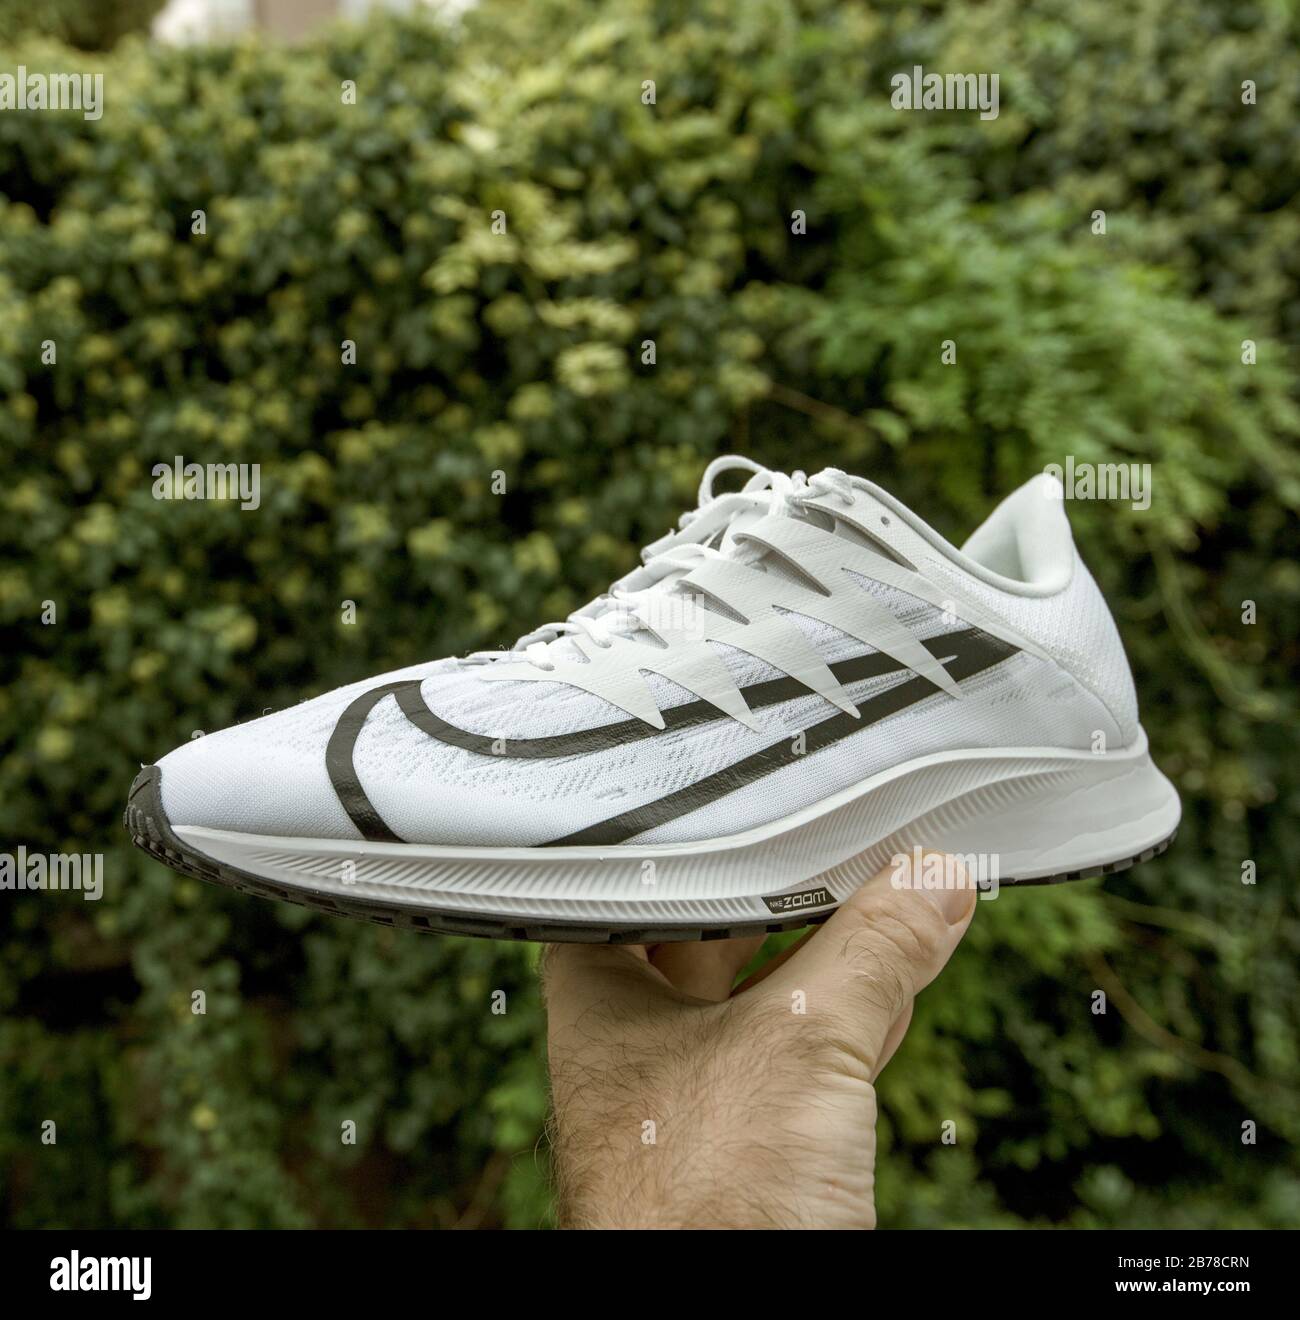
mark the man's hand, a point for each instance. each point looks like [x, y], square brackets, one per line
[678, 1103]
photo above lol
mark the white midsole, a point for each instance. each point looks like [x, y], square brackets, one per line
[1024, 813]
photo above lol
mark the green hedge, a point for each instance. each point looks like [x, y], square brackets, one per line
[479, 352]
[89, 24]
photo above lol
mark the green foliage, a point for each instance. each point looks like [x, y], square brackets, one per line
[1141, 110]
[521, 353]
[88, 24]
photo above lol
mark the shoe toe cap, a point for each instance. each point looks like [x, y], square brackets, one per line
[251, 780]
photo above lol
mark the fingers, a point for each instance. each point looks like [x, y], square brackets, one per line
[863, 971]
[884, 945]
[705, 970]
[777, 960]
[577, 976]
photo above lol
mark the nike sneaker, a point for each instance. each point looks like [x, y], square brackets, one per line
[800, 683]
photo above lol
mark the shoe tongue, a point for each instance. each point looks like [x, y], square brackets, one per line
[621, 622]
[727, 543]
[741, 523]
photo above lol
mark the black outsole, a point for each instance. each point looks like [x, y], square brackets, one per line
[151, 831]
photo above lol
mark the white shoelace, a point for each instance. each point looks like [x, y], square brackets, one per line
[614, 614]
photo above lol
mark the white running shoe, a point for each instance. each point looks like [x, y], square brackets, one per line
[801, 683]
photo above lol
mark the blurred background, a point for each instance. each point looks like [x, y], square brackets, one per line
[326, 220]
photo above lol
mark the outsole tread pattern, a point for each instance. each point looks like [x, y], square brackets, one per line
[150, 831]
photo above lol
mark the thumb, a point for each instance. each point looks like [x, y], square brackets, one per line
[881, 948]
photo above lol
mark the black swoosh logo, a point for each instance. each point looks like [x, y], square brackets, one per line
[343, 772]
[972, 651]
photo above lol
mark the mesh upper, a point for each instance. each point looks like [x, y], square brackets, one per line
[269, 776]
